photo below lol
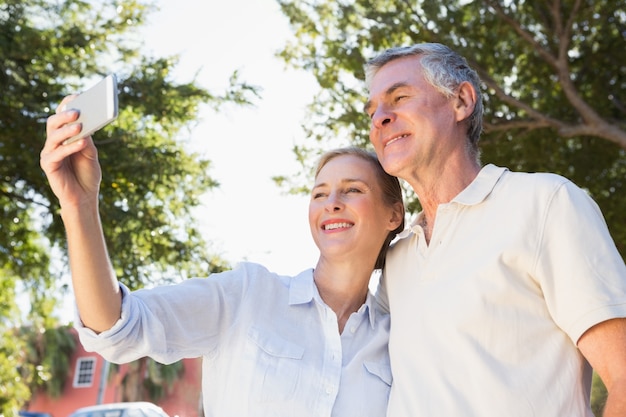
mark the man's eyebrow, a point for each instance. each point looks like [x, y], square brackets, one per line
[388, 92]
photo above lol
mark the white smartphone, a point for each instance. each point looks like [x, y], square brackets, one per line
[97, 107]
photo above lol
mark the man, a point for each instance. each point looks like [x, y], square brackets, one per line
[508, 286]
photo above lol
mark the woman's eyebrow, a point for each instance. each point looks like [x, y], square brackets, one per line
[343, 182]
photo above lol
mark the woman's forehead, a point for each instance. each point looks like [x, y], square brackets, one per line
[346, 167]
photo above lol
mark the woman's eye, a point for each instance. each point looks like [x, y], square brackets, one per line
[353, 190]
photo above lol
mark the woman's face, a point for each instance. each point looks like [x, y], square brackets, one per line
[347, 213]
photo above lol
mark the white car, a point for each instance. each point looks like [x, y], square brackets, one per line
[127, 409]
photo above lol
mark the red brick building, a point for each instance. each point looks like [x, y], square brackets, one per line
[86, 384]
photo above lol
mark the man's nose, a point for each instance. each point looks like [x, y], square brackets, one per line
[382, 116]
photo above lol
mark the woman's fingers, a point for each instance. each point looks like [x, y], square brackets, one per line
[60, 127]
[63, 104]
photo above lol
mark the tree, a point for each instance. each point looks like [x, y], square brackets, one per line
[151, 183]
[148, 380]
[555, 91]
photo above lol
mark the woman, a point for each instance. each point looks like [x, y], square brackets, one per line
[310, 345]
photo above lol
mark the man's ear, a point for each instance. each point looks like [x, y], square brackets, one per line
[465, 101]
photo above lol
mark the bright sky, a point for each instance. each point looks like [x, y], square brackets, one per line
[248, 217]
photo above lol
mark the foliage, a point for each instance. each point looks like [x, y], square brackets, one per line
[151, 183]
[554, 92]
[148, 380]
[598, 395]
[14, 391]
[46, 357]
[160, 378]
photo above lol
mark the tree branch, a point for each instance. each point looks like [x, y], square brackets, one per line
[593, 124]
[524, 34]
[22, 199]
[508, 99]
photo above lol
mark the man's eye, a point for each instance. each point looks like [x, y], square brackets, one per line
[317, 195]
[398, 98]
[353, 190]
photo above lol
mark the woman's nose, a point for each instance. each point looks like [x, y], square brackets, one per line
[334, 203]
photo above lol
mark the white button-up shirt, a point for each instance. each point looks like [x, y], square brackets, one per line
[270, 345]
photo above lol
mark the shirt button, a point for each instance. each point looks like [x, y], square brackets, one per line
[329, 390]
[353, 329]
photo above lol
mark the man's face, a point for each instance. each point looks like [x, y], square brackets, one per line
[412, 123]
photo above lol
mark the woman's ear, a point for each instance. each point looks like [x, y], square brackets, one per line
[465, 101]
[397, 216]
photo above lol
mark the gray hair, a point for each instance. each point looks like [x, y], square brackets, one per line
[445, 70]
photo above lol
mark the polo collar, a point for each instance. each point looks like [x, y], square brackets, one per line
[481, 187]
[475, 193]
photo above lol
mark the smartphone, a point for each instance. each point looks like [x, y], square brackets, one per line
[97, 107]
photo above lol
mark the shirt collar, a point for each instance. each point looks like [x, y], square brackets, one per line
[475, 193]
[370, 303]
[302, 290]
[481, 187]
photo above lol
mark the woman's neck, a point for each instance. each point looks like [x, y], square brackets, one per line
[343, 289]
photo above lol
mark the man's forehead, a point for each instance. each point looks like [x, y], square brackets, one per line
[400, 70]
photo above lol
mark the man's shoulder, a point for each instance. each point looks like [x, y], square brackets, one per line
[534, 178]
[534, 183]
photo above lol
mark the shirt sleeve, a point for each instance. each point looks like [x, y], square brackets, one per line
[579, 267]
[171, 322]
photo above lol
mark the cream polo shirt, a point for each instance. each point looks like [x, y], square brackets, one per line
[270, 345]
[485, 319]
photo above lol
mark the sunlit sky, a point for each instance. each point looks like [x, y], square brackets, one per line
[248, 217]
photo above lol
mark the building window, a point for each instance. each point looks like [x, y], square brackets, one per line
[85, 372]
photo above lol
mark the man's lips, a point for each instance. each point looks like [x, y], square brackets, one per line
[393, 139]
